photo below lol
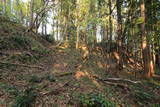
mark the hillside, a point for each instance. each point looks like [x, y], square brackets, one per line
[32, 74]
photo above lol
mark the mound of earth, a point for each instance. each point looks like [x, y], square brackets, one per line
[20, 48]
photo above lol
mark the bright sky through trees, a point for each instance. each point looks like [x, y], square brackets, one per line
[25, 0]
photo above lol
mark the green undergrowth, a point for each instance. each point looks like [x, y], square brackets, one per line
[10, 89]
[19, 42]
[22, 98]
[7, 26]
[26, 98]
[95, 100]
[37, 79]
[50, 77]
[146, 93]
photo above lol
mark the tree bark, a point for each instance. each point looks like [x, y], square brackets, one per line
[42, 28]
[147, 62]
[31, 12]
[110, 20]
[95, 33]
[77, 40]
[45, 29]
[119, 33]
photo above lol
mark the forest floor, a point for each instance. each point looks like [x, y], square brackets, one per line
[33, 75]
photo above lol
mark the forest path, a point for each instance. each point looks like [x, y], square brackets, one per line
[64, 81]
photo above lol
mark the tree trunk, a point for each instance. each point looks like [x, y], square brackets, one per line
[147, 62]
[45, 29]
[77, 40]
[42, 28]
[119, 33]
[31, 12]
[57, 29]
[20, 12]
[65, 32]
[110, 20]
[4, 6]
[95, 33]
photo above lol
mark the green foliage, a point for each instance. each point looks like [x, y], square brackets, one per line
[35, 79]
[109, 92]
[22, 41]
[155, 105]
[26, 99]
[140, 20]
[22, 98]
[95, 100]
[12, 90]
[39, 50]
[50, 77]
[23, 101]
[18, 42]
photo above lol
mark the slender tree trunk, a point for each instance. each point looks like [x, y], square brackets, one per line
[21, 16]
[45, 29]
[65, 33]
[77, 23]
[105, 33]
[42, 28]
[147, 62]
[31, 12]
[95, 33]
[20, 12]
[119, 33]
[37, 24]
[4, 6]
[28, 15]
[57, 30]
[77, 37]
[110, 21]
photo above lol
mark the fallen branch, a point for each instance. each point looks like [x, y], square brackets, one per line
[121, 85]
[120, 80]
[117, 84]
[23, 65]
